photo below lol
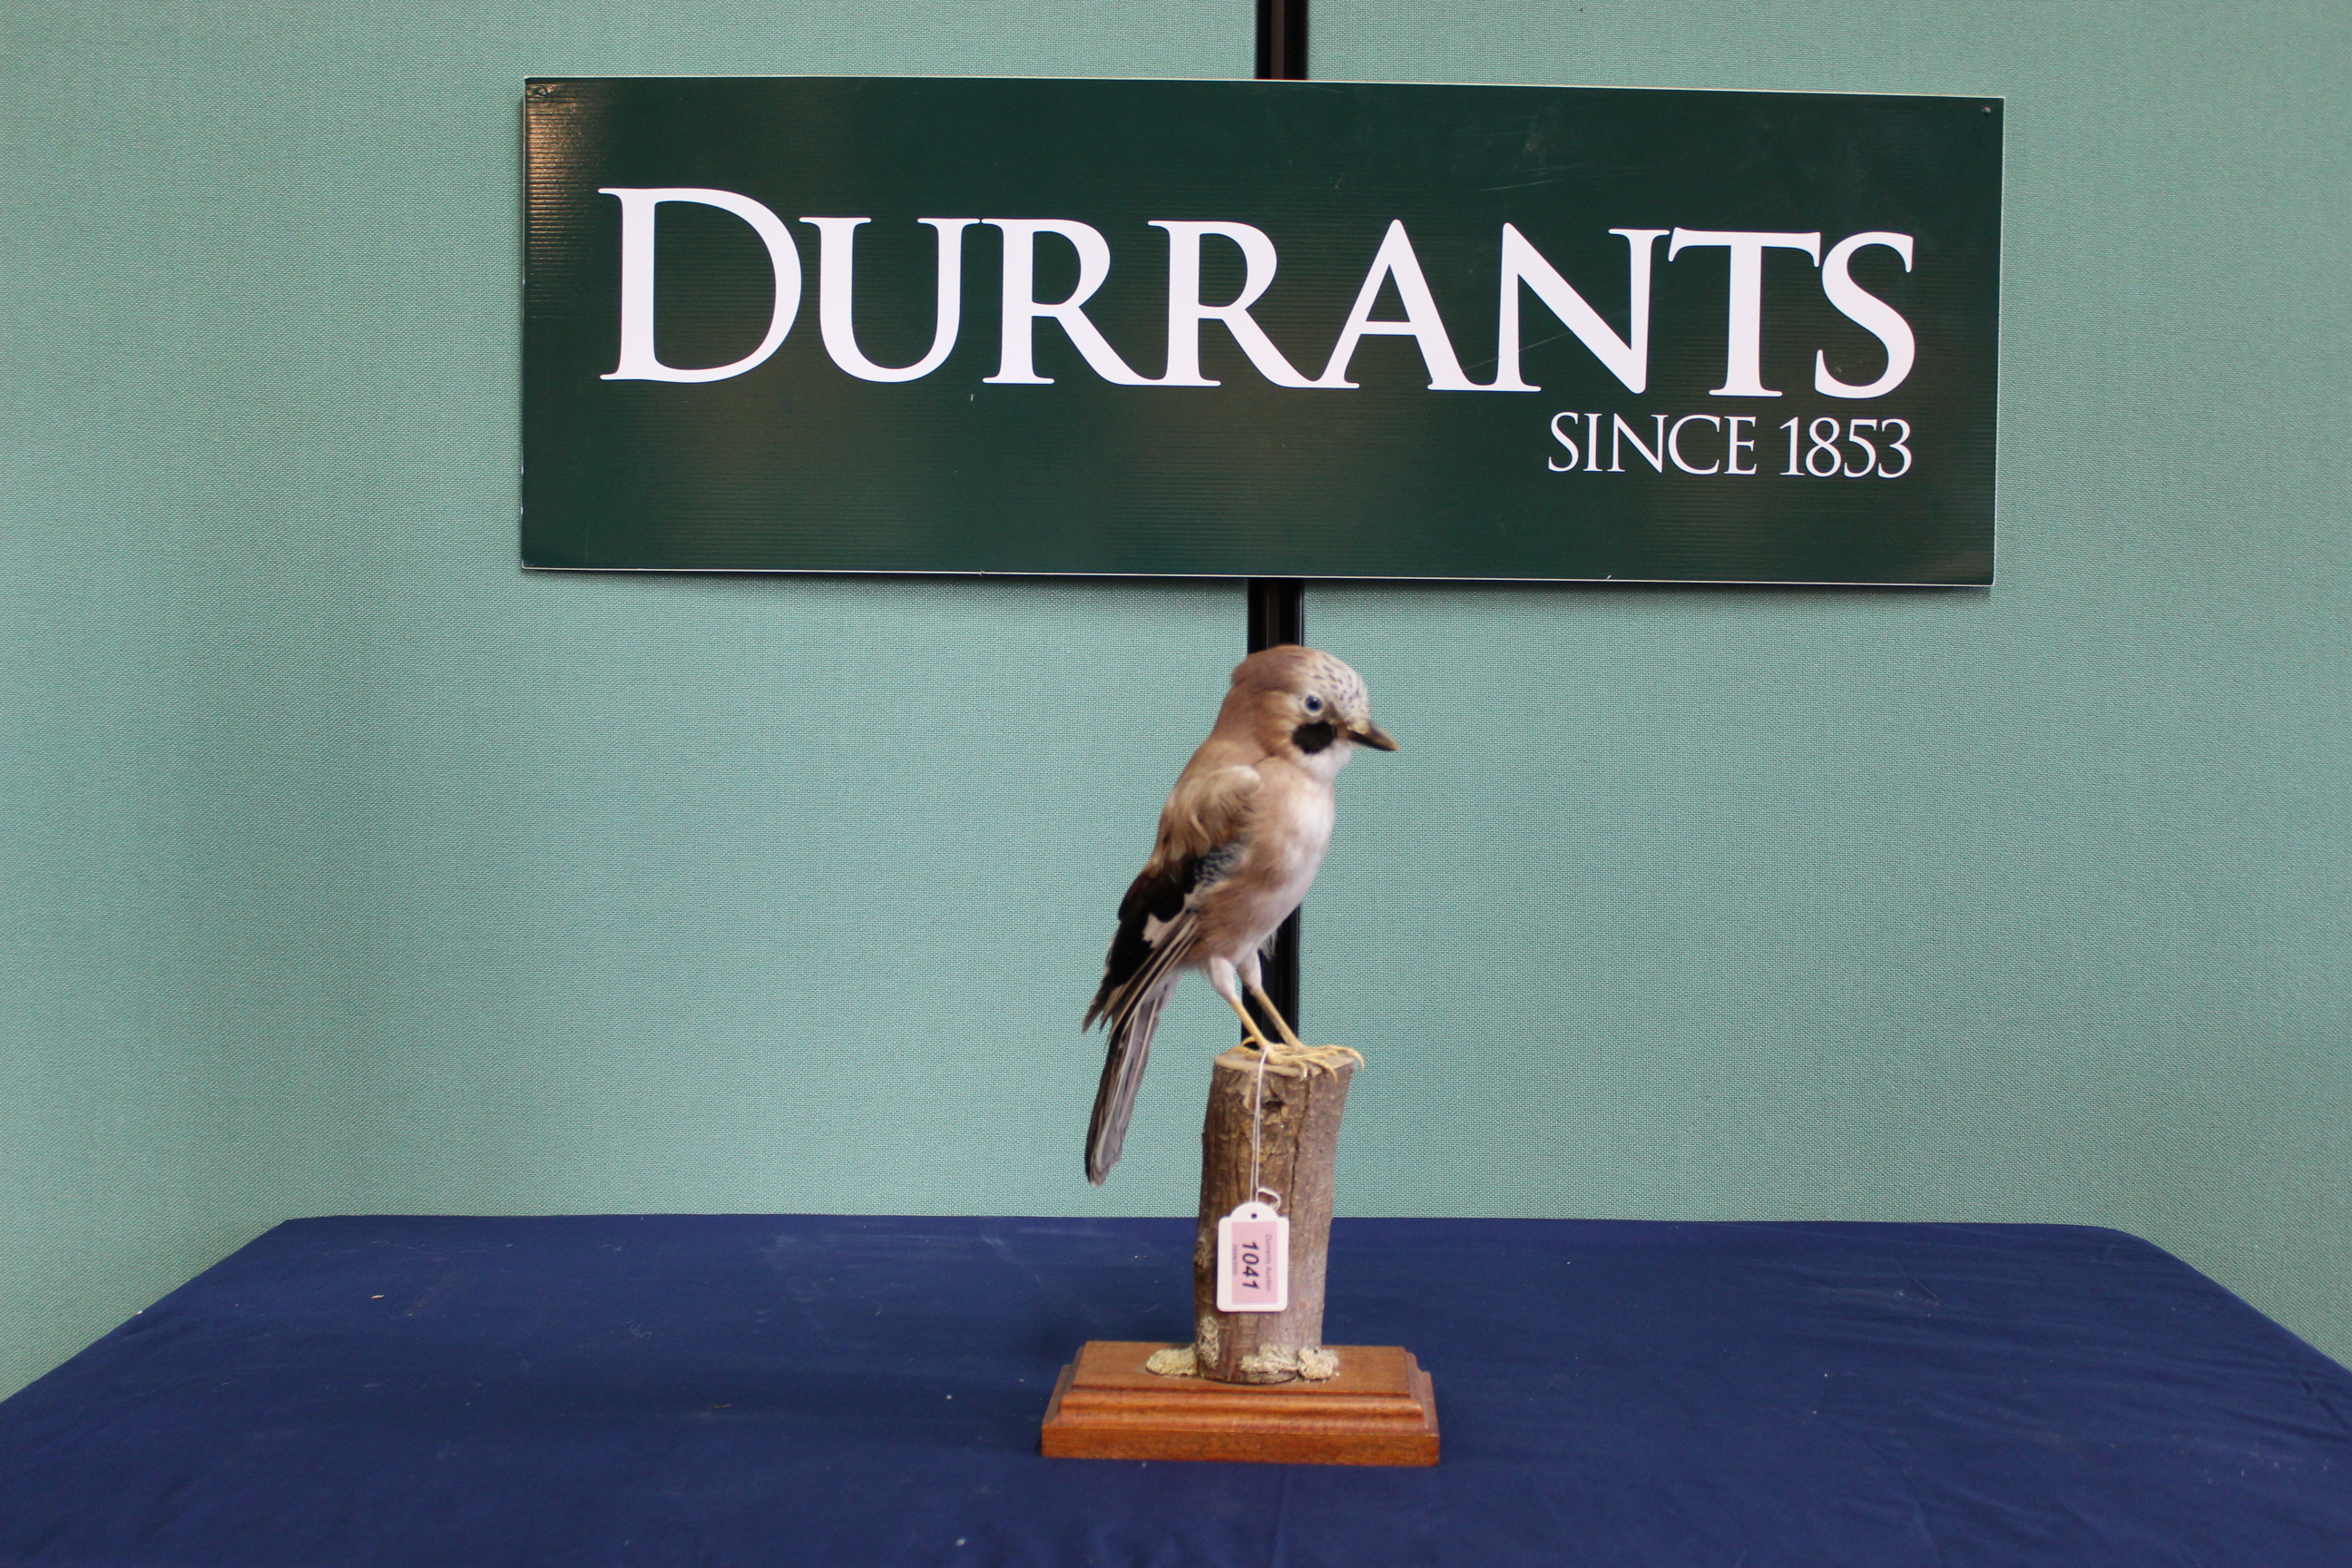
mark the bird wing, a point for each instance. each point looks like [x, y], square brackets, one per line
[1210, 806]
[1202, 831]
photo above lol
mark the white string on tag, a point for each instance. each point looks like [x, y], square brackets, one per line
[1257, 1122]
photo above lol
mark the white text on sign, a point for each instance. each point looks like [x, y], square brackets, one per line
[1708, 446]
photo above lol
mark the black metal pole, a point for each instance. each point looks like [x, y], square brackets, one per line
[1282, 40]
[1277, 606]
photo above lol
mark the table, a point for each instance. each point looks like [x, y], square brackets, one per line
[444, 1392]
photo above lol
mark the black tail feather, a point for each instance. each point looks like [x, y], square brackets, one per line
[1122, 1076]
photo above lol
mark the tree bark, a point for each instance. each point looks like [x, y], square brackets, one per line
[1298, 1149]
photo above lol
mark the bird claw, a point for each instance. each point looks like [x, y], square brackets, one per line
[1307, 1060]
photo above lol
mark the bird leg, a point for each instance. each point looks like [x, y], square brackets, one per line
[1221, 977]
[1314, 1058]
[1258, 996]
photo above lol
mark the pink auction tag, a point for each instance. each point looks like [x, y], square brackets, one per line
[1253, 1260]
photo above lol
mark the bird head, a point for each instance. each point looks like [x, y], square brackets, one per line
[1302, 702]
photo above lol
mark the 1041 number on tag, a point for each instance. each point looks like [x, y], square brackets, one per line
[1253, 1260]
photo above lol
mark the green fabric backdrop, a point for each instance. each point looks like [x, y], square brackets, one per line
[345, 867]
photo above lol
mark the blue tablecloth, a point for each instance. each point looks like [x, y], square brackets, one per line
[437, 1393]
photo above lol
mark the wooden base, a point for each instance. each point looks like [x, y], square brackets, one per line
[1379, 1410]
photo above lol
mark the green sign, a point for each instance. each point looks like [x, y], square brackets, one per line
[1259, 329]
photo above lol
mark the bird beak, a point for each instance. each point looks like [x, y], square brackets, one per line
[1372, 735]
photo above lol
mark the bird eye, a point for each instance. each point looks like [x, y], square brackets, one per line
[1314, 704]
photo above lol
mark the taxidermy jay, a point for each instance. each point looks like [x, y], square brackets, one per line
[1241, 839]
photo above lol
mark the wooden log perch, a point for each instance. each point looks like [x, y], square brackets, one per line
[1298, 1149]
[1313, 1404]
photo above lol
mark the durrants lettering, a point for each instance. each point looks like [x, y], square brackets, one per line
[1522, 270]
